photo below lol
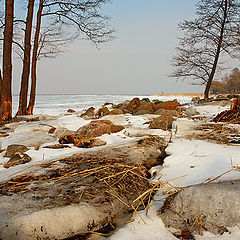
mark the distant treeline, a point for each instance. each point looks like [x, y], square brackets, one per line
[230, 83]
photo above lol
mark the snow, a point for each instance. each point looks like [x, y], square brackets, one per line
[190, 161]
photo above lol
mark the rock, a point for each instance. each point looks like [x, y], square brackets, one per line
[159, 111]
[80, 141]
[156, 101]
[98, 128]
[169, 105]
[217, 203]
[191, 111]
[36, 147]
[15, 148]
[88, 142]
[181, 109]
[145, 100]
[57, 146]
[142, 112]
[196, 99]
[106, 104]
[71, 111]
[67, 139]
[133, 105]
[103, 112]
[17, 159]
[163, 122]
[116, 112]
[121, 106]
[172, 113]
[150, 107]
[60, 131]
[52, 130]
[89, 112]
[3, 134]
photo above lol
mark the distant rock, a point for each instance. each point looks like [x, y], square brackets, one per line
[89, 112]
[133, 105]
[181, 109]
[148, 106]
[103, 112]
[3, 134]
[116, 112]
[195, 99]
[15, 148]
[17, 159]
[71, 111]
[142, 112]
[168, 105]
[191, 111]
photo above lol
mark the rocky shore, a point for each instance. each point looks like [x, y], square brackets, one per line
[73, 182]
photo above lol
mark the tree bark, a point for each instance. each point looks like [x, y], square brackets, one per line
[6, 103]
[34, 61]
[0, 87]
[22, 109]
[209, 82]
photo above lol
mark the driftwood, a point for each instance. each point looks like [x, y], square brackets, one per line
[82, 194]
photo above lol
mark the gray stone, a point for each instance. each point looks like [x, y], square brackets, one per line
[142, 112]
[17, 159]
[60, 131]
[191, 111]
[217, 204]
[15, 148]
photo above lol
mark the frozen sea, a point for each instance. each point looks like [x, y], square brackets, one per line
[56, 104]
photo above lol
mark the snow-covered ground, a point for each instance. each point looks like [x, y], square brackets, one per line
[190, 161]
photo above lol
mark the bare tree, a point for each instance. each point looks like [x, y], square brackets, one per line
[26, 60]
[81, 17]
[6, 90]
[214, 33]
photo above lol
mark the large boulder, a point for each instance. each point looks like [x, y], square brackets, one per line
[216, 205]
[15, 148]
[97, 128]
[116, 112]
[89, 112]
[163, 122]
[17, 159]
[60, 131]
[133, 105]
[168, 105]
[146, 106]
[103, 112]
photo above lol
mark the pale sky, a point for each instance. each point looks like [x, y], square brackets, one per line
[136, 62]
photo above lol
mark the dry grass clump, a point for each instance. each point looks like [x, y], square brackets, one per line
[219, 133]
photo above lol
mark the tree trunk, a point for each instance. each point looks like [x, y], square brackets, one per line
[22, 109]
[6, 103]
[0, 87]
[34, 60]
[209, 82]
